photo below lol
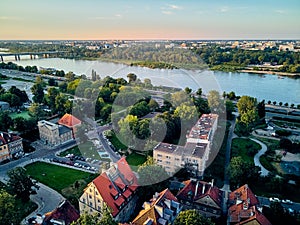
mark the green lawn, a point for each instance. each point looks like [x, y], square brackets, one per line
[135, 159]
[56, 177]
[245, 148]
[272, 144]
[23, 114]
[115, 141]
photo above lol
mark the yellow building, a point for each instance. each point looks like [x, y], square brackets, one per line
[115, 188]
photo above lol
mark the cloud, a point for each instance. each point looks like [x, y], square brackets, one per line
[175, 7]
[169, 9]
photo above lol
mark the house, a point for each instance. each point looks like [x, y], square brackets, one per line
[243, 208]
[202, 196]
[163, 208]
[11, 146]
[64, 214]
[70, 121]
[53, 134]
[115, 188]
[196, 151]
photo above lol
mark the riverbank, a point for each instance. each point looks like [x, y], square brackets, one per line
[291, 75]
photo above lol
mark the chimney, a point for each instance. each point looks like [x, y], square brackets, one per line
[196, 190]
[212, 182]
[203, 188]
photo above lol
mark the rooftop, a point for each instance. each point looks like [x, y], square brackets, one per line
[69, 120]
[203, 126]
[117, 186]
[6, 138]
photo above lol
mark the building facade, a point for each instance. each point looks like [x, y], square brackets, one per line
[163, 208]
[114, 188]
[11, 146]
[196, 151]
[202, 196]
[53, 134]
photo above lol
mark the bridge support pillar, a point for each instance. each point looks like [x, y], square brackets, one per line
[30, 56]
[16, 58]
[2, 58]
[19, 58]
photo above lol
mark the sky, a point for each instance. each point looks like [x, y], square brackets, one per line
[149, 19]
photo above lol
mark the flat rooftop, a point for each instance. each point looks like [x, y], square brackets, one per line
[203, 126]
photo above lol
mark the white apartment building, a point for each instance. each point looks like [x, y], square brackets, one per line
[196, 151]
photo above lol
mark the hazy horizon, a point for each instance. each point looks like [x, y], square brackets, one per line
[149, 20]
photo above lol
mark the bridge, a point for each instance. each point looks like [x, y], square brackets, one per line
[32, 55]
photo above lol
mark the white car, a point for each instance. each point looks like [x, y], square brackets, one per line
[274, 199]
[287, 201]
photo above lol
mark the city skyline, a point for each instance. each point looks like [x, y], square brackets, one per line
[132, 19]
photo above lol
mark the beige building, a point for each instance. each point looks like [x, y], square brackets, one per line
[10, 146]
[114, 188]
[196, 151]
[54, 134]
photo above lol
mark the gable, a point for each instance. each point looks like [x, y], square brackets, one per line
[207, 200]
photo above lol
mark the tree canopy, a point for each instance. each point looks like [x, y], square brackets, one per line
[192, 217]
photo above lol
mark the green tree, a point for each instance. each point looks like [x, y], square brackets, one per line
[36, 110]
[229, 108]
[150, 173]
[21, 94]
[140, 109]
[199, 92]
[5, 121]
[52, 93]
[153, 105]
[192, 217]
[261, 110]
[70, 76]
[7, 208]
[103, 218]
[38, 90]
[52, 82]
[245, 104]
[242, 172]
[131, 77]
[214, 100]
[180, 97]
[20, 183]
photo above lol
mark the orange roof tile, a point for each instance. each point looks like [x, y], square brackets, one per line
[107, 189]
[127, 193]
[69, 120]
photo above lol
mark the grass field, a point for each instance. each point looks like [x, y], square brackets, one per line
[56, 177]
[116, 142]
[135, 159]
[23, 114]
[245, 148]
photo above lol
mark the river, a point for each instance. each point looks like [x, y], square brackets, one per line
[268, 87]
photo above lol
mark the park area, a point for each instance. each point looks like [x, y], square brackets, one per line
[23, 114]
[245, 148]
[69, 182]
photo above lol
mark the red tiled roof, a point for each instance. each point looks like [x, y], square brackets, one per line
[69, 120]
[126, 171]
[119, 201]
[243, 193]
[241, 197]
[151, 213]
[190, 189]
[120, 183]
[108, 190]
[6, 138]
[127, 193]
[65, 212]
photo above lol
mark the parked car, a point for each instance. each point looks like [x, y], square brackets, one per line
[287, 201]
[273, 199]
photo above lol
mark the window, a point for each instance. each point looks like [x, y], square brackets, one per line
[159, 155]
[177, 159]
[168, 162]
[168, 157]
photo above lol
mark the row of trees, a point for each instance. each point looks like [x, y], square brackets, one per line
[215, 55]
[19, 187]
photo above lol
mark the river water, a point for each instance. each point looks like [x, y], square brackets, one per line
[268, 87]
